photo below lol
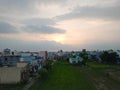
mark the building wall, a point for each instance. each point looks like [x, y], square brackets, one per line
[22, 64]
[71, 60]
[10, 59]
[43, 54]
[10, 75]
[75, 60]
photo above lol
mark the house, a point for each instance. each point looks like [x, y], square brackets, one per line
[118, 60]
[43, 54]
[28, 59]
[75, 60]
[6, 51]
[51, 55]
[39, 62]
[25, 53]
[35, 61]
[10, 60]
[95, 56]
[1, 63]
[14, 75]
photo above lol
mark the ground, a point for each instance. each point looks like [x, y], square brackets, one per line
[64, 76]
[11, 87]
[104, 77]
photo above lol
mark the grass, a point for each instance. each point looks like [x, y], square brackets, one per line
[103, 76]
[97, 65]
[64, 77]
[11, 87]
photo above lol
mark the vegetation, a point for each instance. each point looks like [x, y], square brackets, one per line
[12, 87]
[48, 65]
[110, 58]
[103, 76]
[64, 76]
[43, 73]
[85, 58]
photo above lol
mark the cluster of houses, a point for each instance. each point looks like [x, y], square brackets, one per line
[77, 56]
[95, 55]
[17, 66]
[91, 56]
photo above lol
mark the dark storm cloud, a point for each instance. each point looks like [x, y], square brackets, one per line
[109, 13]
[6, 28]
[43, 29]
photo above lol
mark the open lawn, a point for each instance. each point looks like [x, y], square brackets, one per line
[64, 77]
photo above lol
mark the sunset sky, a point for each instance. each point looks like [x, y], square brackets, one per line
[59, 24]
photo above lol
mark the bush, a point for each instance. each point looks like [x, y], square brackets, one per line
[48, 65]
[25, 81]
[43, 73]
[84, 62]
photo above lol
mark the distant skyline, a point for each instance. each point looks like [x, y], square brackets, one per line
[34, 25]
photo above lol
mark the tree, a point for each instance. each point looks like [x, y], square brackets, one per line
[110, 58]
[85, 58]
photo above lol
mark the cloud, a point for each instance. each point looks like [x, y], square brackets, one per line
[39, 21]
[16, 44]
[42, 26]
[107, 13]
[7, 6]
[30, 17]
[14, 5]
[31, 45]
[102, 45]
[52, 1]
[6, 28]
[43, 29]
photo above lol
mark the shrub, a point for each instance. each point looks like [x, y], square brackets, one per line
[43, 73]
[48, 65]
[24, 81]
[84, 62]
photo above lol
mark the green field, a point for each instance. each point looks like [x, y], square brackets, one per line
[11, 87]
[103, 76]
[64, 77]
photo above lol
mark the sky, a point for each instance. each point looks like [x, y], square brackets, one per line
[52, 25]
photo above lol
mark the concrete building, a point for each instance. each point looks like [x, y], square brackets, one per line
[6, 51]
[13, 75]
[43, 54]
[25, 54]
[1, 63]
[27, 59]
[75, 60]
[10, 60]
